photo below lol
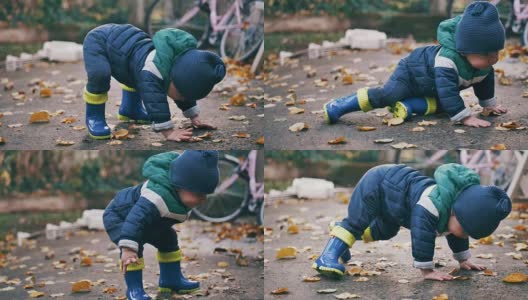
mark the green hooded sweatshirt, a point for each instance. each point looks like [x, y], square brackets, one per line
[158, 189]
[450, 58]
[170, 43]
[451, 180]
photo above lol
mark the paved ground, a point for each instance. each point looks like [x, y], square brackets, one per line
[43, 136]
[312, 218]
[197, 239]
[375, 63]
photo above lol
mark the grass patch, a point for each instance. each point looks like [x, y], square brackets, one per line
[33, 221]
[16, 49]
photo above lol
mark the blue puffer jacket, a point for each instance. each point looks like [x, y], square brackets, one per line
[131, 53]
[439, 71]
[140, 211]
[404, 196]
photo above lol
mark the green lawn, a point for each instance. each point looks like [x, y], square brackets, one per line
[16, 49]
[33, 221]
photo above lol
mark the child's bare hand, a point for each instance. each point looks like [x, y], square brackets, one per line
[434, 275]
[498, 109]
[197, 123]
[128, 256]
[467, 265]
[177, 135]
[475, 122]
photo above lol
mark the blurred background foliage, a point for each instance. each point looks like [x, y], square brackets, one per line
[343, 7]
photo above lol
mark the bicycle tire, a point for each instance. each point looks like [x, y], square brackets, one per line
[524, 35]
[253, 49]
[199, 31]
[237, 202]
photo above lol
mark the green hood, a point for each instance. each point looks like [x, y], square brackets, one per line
[446, 37]
[170, 43]
[451, 179]
[157, 169]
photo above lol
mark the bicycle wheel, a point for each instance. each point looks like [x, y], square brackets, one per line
[242, 43]
[228, 204]
[163, 14]
[524, 35]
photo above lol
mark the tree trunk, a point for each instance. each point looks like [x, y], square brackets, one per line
[136, 12]
[438, 7]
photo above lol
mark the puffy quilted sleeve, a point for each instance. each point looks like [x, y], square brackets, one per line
[446, 81]
[143, 214]
[485, 90]
[155, 100]
[459, 246]
[423, 235]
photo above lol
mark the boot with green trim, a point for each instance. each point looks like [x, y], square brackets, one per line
[333, 110]
[131, 109]
[171, 277]
[327, 264]
[134, 281]
[95, 115]
[408, 107]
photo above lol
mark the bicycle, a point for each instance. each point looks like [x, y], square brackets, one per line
[238, 24]
[240, 190]
[513, 13]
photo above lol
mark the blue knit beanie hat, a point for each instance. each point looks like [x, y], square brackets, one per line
[480, 209]
[480, 30]
[196, 72]
[195, 171]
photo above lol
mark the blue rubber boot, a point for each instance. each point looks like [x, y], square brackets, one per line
[95, 115]
[345, 257]
[327, 263]
[171, 277]
[131, 108]
[134, 281]
[417, 105]
[333, 110]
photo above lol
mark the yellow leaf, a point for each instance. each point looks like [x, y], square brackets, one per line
[36, 294]
[311, 279]
[366, 128]
[441, 297]
[61, 142]
[486, 240]
[347, 79]
[222, 264]
[298, 127]
[69, 120]
[498, 147]
[295, 110]
[82, 286]
[395, 121]
[339, 140]
[515, 278]
[293, 229]
[286, 253]
[40, 117]
[237, 100]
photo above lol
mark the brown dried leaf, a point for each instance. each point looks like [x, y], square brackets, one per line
[69, 120]
[441, 297]
[45, 92]
[61, 142]
[336, 141]
[86, 261]
[498, 147]
[40, 117]
[426, 123]
[241, 135]
[295, 110]
[82, 286]
[121, 134]
[293, 229]
[311, 279]
[36, 294]
[395, 121]
[347, 79]
[326, 291]
[418, 129]
[237, 100]
[403, 145]
[346, 295]
[260, 141]
[280, 291]
[115, 143]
